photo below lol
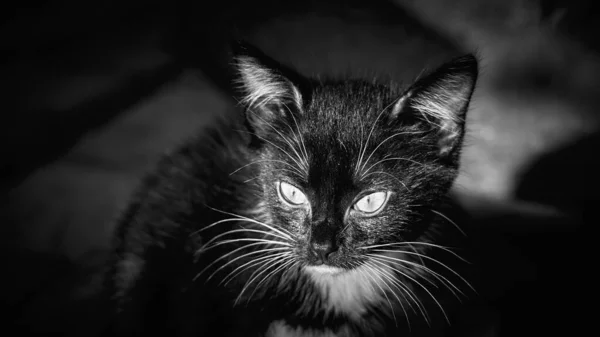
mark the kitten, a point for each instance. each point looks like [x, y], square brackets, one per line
[317, 213]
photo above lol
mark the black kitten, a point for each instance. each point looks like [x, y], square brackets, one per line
[318, 214]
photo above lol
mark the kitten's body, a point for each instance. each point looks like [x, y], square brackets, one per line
[183, 239]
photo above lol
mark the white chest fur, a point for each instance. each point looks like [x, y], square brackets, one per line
[347, 292]
[281, 329]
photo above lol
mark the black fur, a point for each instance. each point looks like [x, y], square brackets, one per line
[234, 167]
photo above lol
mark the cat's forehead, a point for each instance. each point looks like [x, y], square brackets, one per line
[353, 96]
[341, 115]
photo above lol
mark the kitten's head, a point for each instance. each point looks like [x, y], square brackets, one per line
[350, 164]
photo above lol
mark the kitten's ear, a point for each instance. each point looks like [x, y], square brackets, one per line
[441, 100]
[266, 89]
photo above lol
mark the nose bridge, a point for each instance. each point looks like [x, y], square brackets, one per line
[323, 239]
[322, 213]
[324, 230]
[325, 223]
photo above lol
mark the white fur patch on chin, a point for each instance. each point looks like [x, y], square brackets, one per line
[324, 270]
[346, 291]
[281, 329]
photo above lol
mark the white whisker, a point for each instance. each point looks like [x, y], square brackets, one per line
[388, 174]
[245, 231]
[376, 148]
[285, 261]
[405, 290]
[254, 277]
[392, 158]
[364, 150]
[406, 243]
[420, 285]
[452, 222]
[398, 285]
[240, 269]
[298, 159]
[303, 146]
[435, 274]
[249, 180]
[376, 274]
[430, 259]
[268, 160]
[254, 252]
[266, 250]
[300, 167]
[280, 230]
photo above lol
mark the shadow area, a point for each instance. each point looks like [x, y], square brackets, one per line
[565, 178]
[60, 130]
[557, 250]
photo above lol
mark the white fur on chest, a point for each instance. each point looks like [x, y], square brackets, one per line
[346, 291]
[281, 329]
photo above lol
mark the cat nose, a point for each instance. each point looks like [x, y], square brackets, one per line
[322, 250]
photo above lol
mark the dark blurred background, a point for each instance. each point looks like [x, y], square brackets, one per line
[93, 93]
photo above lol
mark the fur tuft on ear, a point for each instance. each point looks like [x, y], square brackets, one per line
[262, 86]
[442, 99]
[266, 89]
[263, 81]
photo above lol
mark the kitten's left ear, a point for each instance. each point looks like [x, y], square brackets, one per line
[441, 100]
[267, 89]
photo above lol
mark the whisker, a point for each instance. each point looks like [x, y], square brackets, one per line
[286, 261]
[364, 150]
[398, 285]
[285, 138]
[435, 274]
[360, 150]
[388, 174]
[254, 252]
[443, 248]
[249, 180]
[394, 158]
[257, 241]
[401, 244]
[377, 147]
[252, 278]
[299, 157]
[405, 290]
[414, 250]
[300, 167]
[303, 147]
[452, 222]
[423, 265]
[279, 230]
[376, 274]
[392, 259]
[240, 269]
[266, 250]
[422, 287]
[214, 224]
[265, 160]
[430, 259]
[246, 231]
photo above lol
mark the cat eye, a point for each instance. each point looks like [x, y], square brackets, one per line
[371, 203]
[291, 194]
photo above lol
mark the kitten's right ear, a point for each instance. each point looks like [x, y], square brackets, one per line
[268, 91]
[440, 100]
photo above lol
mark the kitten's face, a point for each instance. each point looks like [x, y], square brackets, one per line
[346, 166]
